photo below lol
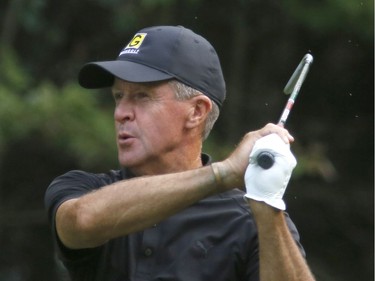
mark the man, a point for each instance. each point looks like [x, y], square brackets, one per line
[169, 213]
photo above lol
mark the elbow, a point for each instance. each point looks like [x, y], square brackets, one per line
[88, 227]
[78, 226]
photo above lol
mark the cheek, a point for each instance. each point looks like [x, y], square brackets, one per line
[166, 128]
[160, 133]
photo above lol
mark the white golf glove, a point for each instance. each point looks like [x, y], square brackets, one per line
[268, 185]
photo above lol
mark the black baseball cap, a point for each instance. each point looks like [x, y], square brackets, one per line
[160, 53]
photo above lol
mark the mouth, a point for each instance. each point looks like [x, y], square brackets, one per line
[124, 138]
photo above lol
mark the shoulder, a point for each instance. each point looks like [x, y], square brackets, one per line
[235, 197]
[77, 176]
[77, 179]
[236, 205]
[229, 207]
[76, 183]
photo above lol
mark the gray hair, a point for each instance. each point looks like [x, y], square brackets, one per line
[184, 92]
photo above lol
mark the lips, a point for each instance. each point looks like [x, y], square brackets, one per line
[125, 138]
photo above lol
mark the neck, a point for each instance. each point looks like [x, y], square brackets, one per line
[182, 159]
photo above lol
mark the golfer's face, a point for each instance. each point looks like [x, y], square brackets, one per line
[149, 124]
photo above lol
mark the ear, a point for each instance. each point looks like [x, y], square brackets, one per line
[200, 107]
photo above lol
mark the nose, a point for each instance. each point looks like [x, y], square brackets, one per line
[124, 112]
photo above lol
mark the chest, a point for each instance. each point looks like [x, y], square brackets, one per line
[200, 243]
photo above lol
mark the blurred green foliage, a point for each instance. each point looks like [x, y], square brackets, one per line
[66, 116]
[334, 16]
[48, 124]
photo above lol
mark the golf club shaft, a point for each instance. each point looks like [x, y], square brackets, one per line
[266, 159]
[294, 85]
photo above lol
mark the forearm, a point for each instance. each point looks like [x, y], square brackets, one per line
[131, 205]
[279, 256]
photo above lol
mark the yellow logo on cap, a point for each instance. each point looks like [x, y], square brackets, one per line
[134, 44]
[137, 40]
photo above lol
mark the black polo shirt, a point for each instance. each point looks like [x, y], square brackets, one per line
[214, 239]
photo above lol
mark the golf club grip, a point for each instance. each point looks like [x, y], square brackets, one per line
[265, 159]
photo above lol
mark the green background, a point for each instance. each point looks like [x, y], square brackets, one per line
[49, 125]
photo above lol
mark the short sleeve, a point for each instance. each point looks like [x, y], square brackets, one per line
[71, 185]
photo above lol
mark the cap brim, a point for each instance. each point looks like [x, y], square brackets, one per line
[102, 74]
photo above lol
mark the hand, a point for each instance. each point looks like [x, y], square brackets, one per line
[232, 169]
[268, 185]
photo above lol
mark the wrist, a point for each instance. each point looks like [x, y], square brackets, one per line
[261, 209]
[218, 177]
[224, 176]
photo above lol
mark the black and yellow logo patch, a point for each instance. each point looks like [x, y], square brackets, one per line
[137, 40]
[134, 44]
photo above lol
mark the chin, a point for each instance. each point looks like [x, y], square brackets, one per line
[129, 161]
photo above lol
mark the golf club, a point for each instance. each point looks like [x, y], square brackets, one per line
[266, 159]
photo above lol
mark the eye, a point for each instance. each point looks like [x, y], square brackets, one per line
[117, 96]
[141, 96]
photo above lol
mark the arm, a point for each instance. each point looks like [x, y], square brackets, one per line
[279, 257]
[129, 206]
[132, 205]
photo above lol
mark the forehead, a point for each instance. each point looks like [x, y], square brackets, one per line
[120, 85]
